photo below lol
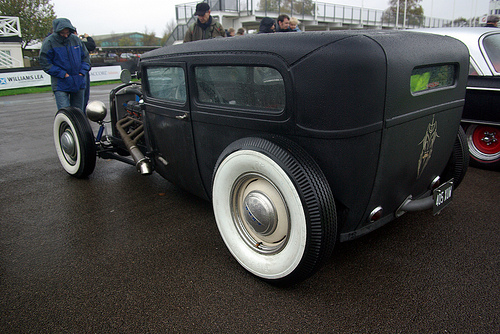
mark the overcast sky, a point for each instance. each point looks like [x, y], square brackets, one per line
[98, 17]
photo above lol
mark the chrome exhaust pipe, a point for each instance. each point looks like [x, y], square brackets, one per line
[142, 163]
[412, 205]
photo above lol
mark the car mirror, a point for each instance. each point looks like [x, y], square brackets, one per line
[125, 76]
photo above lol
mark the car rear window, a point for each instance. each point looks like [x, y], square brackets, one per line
[166, 83]
[252, 87]
[491, 44]
[430, 77]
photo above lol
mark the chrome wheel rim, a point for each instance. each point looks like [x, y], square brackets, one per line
[260, 213]
[68, 145]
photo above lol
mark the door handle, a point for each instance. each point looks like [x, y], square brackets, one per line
[183, 116]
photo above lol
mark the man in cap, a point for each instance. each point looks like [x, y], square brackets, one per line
[205, 26]
[64, 57]
[492, 21]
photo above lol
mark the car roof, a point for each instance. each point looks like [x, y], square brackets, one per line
[290, 47]
[465, 32]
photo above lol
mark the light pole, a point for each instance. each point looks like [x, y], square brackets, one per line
[404, 17]
[397, 15]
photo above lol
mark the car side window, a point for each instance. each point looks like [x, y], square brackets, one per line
[431, 77]
[166, 83]
[491, 44]
[472, 69]
[253, 87]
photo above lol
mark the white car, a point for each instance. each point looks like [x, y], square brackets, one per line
[481, 116]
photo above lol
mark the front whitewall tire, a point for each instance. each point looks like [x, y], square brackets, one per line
[63, 127]
[74, 142]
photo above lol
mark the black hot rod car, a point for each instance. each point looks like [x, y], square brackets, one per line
[299, 140]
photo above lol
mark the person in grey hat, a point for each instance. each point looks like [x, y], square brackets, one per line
[205, 26]
[492, 21]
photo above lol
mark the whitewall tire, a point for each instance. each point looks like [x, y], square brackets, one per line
[74, 142]
[274, 209]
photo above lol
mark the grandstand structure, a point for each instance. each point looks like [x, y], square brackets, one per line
[313, 16]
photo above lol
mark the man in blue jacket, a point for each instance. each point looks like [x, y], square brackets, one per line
[64, 57]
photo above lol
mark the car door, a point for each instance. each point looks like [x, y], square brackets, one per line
[483, 90]
[169, 130]
[235, 96]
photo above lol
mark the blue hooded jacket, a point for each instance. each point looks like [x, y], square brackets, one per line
[60, 55]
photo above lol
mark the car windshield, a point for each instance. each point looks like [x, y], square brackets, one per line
[491, 44]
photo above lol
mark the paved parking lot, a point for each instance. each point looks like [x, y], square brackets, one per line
[125, 253]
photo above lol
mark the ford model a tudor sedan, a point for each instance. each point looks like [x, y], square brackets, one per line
[299, 140]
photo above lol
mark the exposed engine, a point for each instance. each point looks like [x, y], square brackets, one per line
[128, 130]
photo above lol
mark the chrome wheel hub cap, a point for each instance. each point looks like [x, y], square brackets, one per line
[68, 146]
[261, 214]
[489, 138]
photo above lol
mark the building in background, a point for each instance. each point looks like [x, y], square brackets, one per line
[133, 39]
[494, 7]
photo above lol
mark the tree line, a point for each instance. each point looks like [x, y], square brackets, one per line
[36, 16]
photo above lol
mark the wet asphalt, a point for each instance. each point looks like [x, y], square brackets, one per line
[123, 253]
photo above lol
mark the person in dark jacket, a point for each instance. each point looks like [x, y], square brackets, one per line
[283, 23]
[266, 25]
[90, 45]
[64, 57]
[205, 26]
[88, 42]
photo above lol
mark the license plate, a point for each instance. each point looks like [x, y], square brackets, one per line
[442, 196]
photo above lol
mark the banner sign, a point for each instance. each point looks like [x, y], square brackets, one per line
[40, 78]
[24, 79]
[105, 73]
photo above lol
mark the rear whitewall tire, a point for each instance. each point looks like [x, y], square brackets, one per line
[298, 233]
[282, 261]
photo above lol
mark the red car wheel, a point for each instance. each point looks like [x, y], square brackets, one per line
[484, 144]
